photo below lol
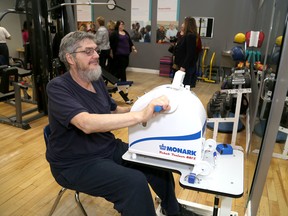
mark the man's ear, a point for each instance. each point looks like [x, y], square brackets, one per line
[70, 59]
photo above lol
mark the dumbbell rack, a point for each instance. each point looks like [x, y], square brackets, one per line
[235, 120]
[267, 98]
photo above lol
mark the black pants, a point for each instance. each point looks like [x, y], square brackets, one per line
[120, 63]
[104, 59]
[122, 183]
[27, 56]
[190, 77]
[4, 53]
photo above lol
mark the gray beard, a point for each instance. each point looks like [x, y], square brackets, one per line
[90, 75]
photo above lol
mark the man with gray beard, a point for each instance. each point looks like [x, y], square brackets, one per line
[82, 152]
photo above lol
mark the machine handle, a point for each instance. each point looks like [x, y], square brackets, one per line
[158, 108]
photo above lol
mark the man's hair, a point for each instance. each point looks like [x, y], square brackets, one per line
[70, 43]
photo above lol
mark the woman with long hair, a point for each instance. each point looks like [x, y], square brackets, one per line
[185, 54]
[121, 46]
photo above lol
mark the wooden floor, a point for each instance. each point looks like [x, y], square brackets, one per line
[28, 188]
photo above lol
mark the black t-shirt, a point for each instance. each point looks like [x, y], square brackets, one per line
[68, 146]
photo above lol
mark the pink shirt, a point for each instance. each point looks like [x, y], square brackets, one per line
[25, 37]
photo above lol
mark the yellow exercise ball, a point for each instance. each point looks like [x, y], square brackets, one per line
[239, 38]
[279, 40]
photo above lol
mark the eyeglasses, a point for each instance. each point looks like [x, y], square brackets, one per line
[88, 51]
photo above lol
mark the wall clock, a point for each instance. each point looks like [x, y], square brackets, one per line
[111, 5]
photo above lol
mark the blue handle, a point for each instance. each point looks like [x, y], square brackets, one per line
[158, 108]
[191, 178]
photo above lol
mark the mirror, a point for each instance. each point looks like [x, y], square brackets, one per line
[140, 21]
[271, 21]
[167, 20]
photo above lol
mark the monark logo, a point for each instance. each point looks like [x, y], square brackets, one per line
[177, 150]
[162, 147]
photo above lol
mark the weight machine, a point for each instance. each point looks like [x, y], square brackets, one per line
[41, 44]
[36, 13]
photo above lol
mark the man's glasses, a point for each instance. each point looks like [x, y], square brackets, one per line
[88, 51]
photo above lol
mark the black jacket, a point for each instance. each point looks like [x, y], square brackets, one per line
[185, 51]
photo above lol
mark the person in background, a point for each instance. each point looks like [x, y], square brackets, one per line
[171, 33]
[92, 28]
[185, 52]
[180, 33]
[26, 44]
[83, 153]
[135, 33]
[102, 41]
[147, 36]
[142, 32]
[111, 26]
[4, 51]
[132, 30]
[83, 27]
[121, 46]
[173, 48]
[160, 34]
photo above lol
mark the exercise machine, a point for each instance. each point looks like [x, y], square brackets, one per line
[10, 92]
[40, 50]
[209, 72]
[121, 87]
[175, 140]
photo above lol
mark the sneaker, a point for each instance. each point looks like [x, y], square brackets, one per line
[183, 212]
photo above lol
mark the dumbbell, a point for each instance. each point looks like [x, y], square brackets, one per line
[215, 95]
[216, 107]
[228, 102]
[218, 96]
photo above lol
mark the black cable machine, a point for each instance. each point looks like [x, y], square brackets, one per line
[37, 14]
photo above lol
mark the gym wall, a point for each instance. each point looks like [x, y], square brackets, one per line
[231, 17]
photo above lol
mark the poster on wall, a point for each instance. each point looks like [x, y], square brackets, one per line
[84, 16]
[167, 20]
[140, 20]
[205, 26]
[167, 10]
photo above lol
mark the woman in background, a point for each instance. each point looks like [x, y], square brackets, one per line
[111, 26]
[121, 46]
[160, 34]
[102, 41]
[26, 44]
[185, 52]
